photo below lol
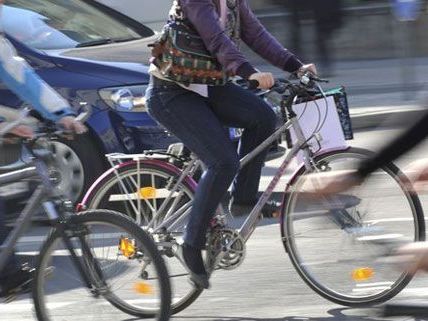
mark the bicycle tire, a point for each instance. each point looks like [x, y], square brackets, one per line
[100, 193]
[303, 269]
[109, 179]
[145, 244]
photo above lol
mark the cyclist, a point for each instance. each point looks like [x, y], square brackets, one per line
[197, 114]
[19, 77]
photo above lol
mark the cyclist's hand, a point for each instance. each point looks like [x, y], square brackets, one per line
[415, 257]
[265, 79]
[305, 68]
[22, 131]
[418, 174]
[70, 123]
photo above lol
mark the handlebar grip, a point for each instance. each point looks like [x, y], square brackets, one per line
[253, 84]
[318, 79]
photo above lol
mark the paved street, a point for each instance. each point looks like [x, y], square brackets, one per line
[76, 46]
[264, 288]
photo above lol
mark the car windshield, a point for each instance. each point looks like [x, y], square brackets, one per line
[61, 24]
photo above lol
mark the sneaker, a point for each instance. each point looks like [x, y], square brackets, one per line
[270, 209]
[18, 282]
[192, 258]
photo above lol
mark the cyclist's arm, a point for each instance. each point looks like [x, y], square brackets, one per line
[19, 77]
[399, 146]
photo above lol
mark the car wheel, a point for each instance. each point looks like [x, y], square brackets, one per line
[76, 166]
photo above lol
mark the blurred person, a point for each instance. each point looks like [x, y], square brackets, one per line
[328, 18]
[329, 183]
[298, 9]
[327, 15]
[338, 181]
[197, 114]
[19, 77]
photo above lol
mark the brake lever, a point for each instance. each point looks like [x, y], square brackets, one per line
[83, 117]
[309, 79]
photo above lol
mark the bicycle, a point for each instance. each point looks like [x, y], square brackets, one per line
[98, 254]
[334, 249]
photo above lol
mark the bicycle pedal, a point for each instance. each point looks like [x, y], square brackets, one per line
[14, 293]
[49, 270]
[9, 298]
[23, 288]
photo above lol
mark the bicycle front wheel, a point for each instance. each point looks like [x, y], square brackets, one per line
[336, 248]
[102, 263]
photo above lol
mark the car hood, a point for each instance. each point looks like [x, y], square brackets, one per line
[109, 60]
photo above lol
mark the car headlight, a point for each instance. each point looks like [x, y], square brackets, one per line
[126, 99]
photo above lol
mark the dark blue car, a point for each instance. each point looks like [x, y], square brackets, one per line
[92, 55]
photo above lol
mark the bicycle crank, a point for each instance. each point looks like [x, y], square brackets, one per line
[226, 249]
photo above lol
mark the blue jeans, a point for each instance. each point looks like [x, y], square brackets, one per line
[199, 123]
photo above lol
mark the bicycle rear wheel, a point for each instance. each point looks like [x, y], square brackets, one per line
[143, 190]
[116, 267]
[150, 189]
[336, 250]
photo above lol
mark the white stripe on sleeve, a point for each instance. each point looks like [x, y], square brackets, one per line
[14, 65]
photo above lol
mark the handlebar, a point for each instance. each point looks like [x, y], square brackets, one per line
[307, 86]
[48, 130]
[307, 80]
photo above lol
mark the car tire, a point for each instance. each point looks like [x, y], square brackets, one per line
[78, 163]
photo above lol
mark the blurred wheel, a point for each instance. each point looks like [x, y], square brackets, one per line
[336, 248]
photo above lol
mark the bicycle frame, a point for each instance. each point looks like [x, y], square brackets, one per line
[24, 218]
[169, 215]
[250, 223]
[44, 194]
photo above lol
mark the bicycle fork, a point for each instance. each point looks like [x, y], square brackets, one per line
[87, 266]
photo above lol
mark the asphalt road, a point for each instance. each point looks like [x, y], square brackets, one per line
[264, 288]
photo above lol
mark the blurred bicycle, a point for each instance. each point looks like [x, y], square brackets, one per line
[90, 262]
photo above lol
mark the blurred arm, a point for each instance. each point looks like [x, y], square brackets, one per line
[399, 146]
[19, 77]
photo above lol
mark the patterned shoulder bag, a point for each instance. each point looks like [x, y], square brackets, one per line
[180, 53]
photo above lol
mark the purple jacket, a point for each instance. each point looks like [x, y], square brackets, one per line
[204, 16]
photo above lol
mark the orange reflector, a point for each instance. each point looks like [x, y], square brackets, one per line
[127, 247]
[362, 274]
[143, 288]
[147, 192]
